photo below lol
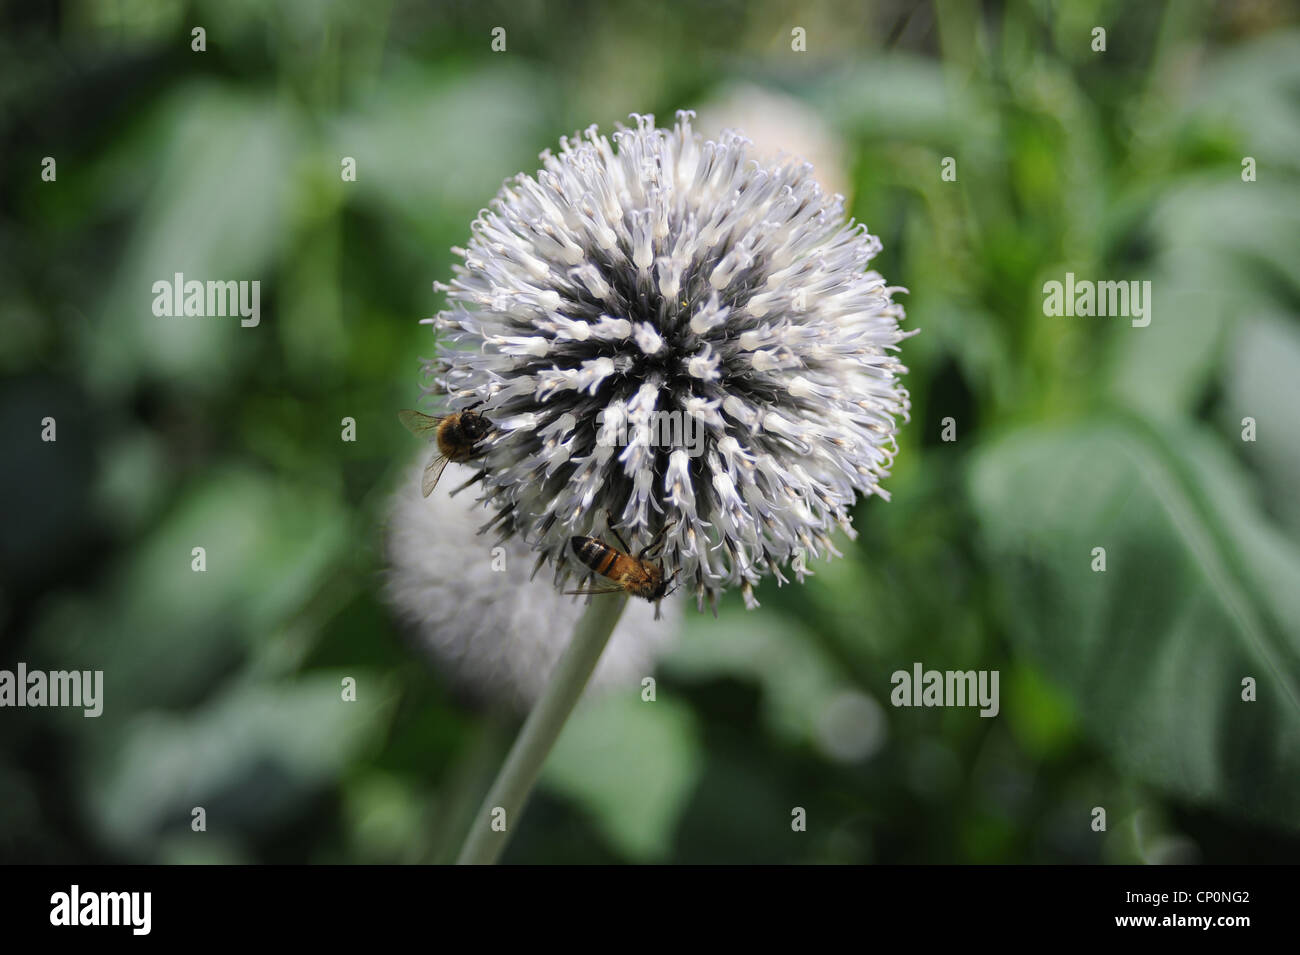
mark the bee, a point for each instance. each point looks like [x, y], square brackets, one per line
[639, 576]
[457, 434]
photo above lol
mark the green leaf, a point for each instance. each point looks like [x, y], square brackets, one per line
[249, 759]
[1262, 382]
[1198, 594]
[1251, 88]
[217, 164]
[774, 651]
[1226, 250]
[632, 765]
[431, 151]
[161, 631]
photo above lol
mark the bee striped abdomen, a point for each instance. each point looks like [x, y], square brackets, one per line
[595, 554]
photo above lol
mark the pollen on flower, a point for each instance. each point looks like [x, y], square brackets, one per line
[657, 273]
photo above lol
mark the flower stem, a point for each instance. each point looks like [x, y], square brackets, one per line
[484, 845]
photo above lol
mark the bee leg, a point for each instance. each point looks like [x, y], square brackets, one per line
[609, 522]
[657, 543]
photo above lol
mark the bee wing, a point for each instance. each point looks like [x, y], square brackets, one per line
[422, 425]
[612, 589]
[432, 472]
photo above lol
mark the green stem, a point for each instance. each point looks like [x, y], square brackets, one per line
[484, 845]
[467, 781]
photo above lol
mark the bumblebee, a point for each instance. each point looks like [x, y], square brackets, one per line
[458, 436]
[640, 576]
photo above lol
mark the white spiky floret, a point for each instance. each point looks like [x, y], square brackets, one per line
[665, 273]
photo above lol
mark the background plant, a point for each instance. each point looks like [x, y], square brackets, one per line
[1118, 689]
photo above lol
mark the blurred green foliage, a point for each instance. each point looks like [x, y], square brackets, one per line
[1119, 690]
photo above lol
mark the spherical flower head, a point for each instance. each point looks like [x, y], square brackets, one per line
[671, 337]
[470, 607]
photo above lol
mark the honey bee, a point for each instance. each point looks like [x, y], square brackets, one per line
[457, 434]
[638, 576]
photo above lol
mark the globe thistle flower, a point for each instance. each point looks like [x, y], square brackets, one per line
[668, 284]
[479, 618]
